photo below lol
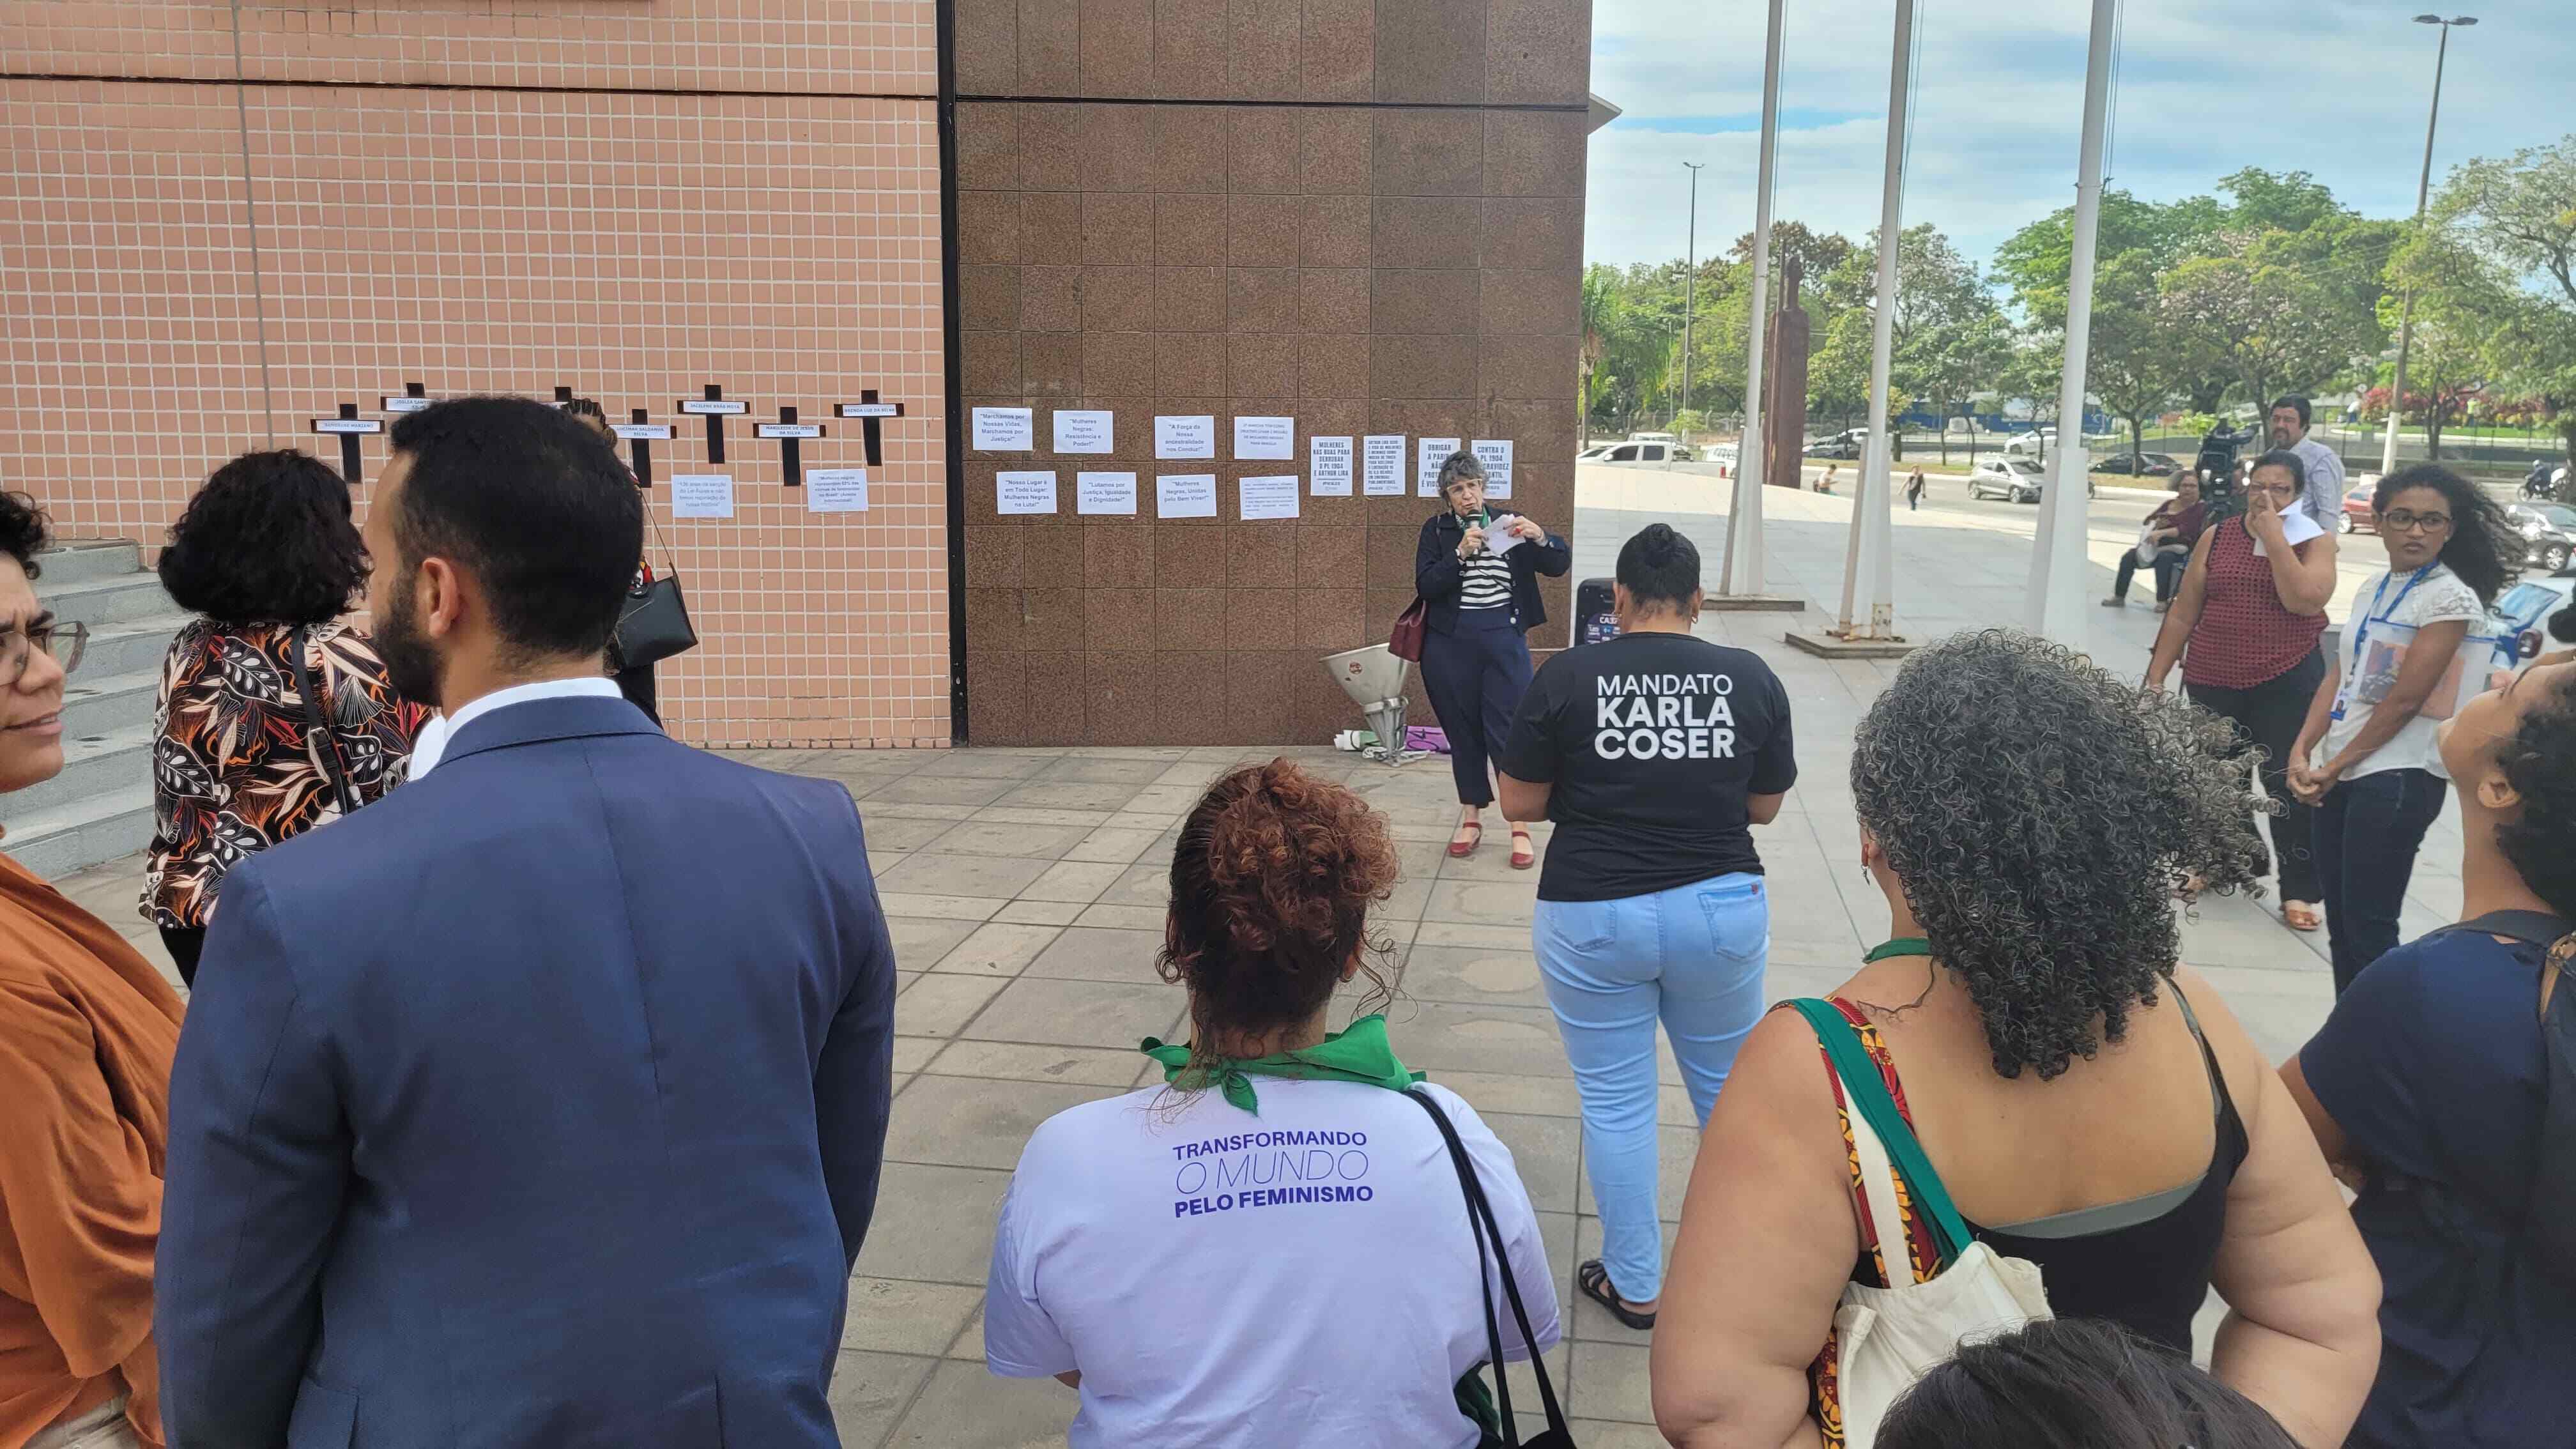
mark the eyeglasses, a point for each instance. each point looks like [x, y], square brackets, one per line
[2401, 521]
[66, 642]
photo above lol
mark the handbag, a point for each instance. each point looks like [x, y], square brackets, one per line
[1404, 641]
[1887, 1338]
[325, 748]
[655, 624]
[1505, 1433]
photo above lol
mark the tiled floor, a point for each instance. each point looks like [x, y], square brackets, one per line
[1025, 889]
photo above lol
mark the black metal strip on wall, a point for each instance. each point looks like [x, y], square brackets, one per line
[952, 369]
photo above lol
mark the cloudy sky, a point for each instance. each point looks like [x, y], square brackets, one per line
[2338, 89]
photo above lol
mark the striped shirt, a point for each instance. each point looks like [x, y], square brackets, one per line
[1485, 581]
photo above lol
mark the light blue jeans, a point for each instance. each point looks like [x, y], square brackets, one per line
[1692, 957]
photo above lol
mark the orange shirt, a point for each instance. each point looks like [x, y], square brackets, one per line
[87, 1029]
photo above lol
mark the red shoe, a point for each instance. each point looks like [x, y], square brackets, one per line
[1461, 849]
[1524, 854]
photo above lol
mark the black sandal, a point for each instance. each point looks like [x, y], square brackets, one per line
[1594, 1280]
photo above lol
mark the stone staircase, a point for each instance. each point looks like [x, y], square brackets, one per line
[100, 806]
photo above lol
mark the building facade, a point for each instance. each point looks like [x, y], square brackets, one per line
[226, 220]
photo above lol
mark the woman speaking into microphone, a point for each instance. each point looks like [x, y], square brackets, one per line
[1477, 573]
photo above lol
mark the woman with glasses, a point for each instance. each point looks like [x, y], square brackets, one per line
[87, 1031]
[1476, 571]
[2377, 782]
[242, 756]
[2244, 628]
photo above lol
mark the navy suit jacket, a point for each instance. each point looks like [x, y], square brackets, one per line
[538, 1104]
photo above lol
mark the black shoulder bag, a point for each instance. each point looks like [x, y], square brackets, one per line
[655, 622]
[1480, 1221]
[317, 724]
[2546, 1232]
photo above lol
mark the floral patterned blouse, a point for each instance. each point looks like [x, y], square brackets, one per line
[232, 769]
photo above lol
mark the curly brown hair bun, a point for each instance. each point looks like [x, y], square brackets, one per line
[1271, 885]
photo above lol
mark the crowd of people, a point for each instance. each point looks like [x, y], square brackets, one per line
[535, 1078]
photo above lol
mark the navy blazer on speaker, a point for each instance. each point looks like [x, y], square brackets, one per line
[539, 1104]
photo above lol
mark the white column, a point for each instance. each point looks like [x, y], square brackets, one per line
[1869, 563]
[1743, 571]
[2058, 607]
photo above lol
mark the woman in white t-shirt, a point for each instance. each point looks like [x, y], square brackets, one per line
[1274, 1248]
[2366, 758]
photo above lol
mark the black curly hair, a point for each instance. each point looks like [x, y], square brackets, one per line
[2484, 550]
[267, 540]
[23, 532]
[2539, 761]
[2075, 1381]
[2040, 814]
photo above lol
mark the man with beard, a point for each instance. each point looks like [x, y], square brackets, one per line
[2289, 430]
[558, 1092]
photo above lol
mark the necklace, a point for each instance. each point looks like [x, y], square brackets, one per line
[1901, 946]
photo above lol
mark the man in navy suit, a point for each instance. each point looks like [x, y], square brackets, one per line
[542, 1103]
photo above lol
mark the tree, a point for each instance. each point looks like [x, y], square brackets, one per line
[2265, 320]
[1601, 305]
[2518, 215]
[2133, 363]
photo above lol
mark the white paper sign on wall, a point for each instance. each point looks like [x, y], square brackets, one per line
[1084, 432]
[1496, 455]
[1267, 497]
[1185, 495]
[1024, 492]
[836, 490]
[1104, 493]
[1269, 439]
[1382, 465]
[1005, 430]
[1429, 454]
[1188, 435]
[702, 495]
[1328, 467]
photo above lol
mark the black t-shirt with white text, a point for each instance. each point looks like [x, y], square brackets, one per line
[1652, 742]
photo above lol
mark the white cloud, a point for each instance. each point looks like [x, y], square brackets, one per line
[2333, 87]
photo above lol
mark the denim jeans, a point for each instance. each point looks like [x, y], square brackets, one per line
[2367, 832]
[1691, 957]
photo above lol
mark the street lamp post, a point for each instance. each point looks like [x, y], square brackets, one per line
[1690, 280]
[2423, 194]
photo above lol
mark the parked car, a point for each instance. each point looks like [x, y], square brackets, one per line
[2522, 616]
[2144, 465]
[2358, 514]
[2017, 479]
[2032, 443]
[1845, 444]
[2549, 534]
[1635, 452]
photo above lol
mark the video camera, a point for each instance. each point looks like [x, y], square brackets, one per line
[2217, 468]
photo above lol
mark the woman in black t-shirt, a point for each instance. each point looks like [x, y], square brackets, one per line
[1655, 753]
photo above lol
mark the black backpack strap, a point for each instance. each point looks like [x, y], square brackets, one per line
[317, 723]
[1480, 1219]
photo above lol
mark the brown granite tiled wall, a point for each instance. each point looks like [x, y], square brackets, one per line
[1389, 240]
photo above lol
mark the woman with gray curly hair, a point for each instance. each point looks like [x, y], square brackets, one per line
[2089, 1104]
[1477, 574]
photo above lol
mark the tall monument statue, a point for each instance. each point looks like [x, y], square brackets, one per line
[1784, 385]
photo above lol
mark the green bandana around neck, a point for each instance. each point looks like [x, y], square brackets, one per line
[1357, 1053]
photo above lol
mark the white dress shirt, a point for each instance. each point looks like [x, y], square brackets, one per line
[434, 736]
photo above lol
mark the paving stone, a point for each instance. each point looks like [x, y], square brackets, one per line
[1002, 877]
[940, 1005]
[1613, 1381]
[935, 790]
[964, 1407]
[921, 940]
[1147, 883]
[997, 949]
[912, 1053]
[1545, 1150]
[1039, 913]
[934, 1224]
[1089, 820]
[965, 1122]
[1095, 953]
[892, 1315]
[870, 1391]
[1444, 1036]
[1082, 770]
[1481, 903]
[1132, 918]
[1018, 1061]
[1068, 796]
[1502, 977]
[1110, 845]
[1072, 880]
[894, 833]
[986, 764]
[1009, 838]
[1079, 1013]
[941, 907]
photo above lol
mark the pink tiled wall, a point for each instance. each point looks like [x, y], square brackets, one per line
[190, 269]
